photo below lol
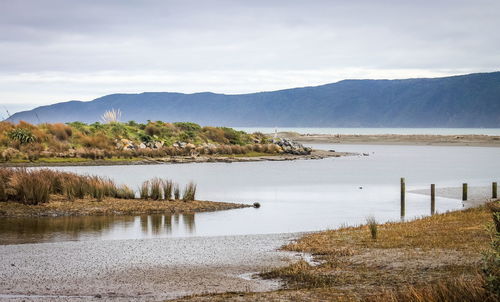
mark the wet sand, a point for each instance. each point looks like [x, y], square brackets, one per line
[396, 139]
[138, 270]
[475, 196]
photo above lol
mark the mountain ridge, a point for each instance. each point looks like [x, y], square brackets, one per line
[471, 100]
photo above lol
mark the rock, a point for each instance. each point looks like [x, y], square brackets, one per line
[291, 147]
[256, 205]
[142, 146]
[158, 145]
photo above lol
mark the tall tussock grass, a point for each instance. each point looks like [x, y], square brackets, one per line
[162, 189]
[189, 192]
[34, 186]
[168, 187]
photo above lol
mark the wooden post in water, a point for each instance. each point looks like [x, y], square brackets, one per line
[403, 186]
[433, 199]
[494, 190]
[464, 191]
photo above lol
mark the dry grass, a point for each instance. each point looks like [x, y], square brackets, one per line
[432, 259]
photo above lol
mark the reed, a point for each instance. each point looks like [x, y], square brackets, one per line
[189, 192]
[167, 189]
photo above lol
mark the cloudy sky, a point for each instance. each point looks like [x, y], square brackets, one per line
[59, 50]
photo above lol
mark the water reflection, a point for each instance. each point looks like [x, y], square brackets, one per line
[52, 229]
[295, 196]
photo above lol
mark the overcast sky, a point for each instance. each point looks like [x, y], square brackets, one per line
[59, 50]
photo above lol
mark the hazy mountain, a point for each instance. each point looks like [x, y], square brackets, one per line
[460, 101]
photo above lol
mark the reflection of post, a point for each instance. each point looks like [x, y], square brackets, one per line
[464, 191]
[403, 187]
[433, 199]
[189, 223]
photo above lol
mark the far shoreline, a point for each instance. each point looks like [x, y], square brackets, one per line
[475, 140]
[314, 155]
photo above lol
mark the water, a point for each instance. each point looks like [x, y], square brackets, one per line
[296, 196]
[372, 131]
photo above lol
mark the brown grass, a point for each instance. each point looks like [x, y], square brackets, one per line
[435, 259]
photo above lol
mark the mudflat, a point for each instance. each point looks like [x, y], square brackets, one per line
[139, 270]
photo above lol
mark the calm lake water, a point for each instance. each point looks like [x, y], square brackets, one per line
[296, 196]
[369, 131]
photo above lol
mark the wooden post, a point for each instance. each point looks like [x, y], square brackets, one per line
[464, 191]
[403, 186]
[433, 199]
[494, 190]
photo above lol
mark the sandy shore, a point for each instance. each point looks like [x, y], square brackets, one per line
[315, 154]
[138, 270]
[476, 196]
[396, 139]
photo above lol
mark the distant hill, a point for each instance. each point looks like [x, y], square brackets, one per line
[460, 101]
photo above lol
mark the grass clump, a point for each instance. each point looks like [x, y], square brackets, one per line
[155, 191]
[189, 192]
[167, 189]
[125, 192]
[177, 192]
[144, 190]
[372, 226]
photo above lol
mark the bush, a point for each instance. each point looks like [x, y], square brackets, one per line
[22, 135]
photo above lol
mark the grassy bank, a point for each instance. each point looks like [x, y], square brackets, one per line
[46, 192]
[438, 258]
[58, 206]
[79, 142]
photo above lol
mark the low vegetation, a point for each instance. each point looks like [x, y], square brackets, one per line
[446, 257]
[36, 186]
[24, 142]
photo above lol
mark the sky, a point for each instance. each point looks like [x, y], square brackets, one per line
[60, 50]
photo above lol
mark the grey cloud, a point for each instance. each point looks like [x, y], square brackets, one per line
[139, 37]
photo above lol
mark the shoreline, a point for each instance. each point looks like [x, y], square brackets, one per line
[347, 264]
[112, 207]
[395, 139]
[315, 154]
